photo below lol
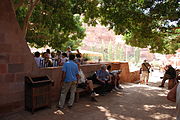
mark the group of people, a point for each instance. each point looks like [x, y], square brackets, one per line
[73, 77]
[52, 59]
[170, 73]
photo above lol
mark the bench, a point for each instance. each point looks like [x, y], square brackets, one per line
[81, 90]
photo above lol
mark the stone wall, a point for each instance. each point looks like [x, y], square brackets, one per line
[54, 74]
[16, 61]
[134, 76]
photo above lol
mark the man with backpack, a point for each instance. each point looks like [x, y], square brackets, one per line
[145, 69]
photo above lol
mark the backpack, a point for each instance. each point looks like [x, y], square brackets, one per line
[92, 77]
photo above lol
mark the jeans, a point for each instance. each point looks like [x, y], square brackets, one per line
[65, 88]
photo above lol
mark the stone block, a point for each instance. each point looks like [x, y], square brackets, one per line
[4, 58]
[5, 48]
[15, 59]
[18, 105]
[3, 68]
[17, 96]
[11, 107]
[6, 108]
[20, 77]
[9, 78]
[15, 68]
[4, 89]
[2, 78]
[3, 99]
[2, 37]
[16, 87]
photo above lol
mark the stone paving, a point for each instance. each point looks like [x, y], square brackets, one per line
[135, 102]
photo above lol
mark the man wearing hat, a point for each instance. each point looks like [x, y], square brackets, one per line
[68, 52]
[145, 71]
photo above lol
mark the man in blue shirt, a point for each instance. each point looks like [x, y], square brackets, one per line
[69, 77]
[103, 78]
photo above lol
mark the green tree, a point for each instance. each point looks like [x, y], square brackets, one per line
[137, 55]
[121, 54]
[49, 22]
[144, 23]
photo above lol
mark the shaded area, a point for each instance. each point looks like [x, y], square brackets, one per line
[135, 102]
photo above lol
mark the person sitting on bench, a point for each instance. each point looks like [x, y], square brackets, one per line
[114, 75]
[169, 74]
[86, 83]
[103, 78]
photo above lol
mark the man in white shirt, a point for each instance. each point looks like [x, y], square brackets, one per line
[63, 58]
[68, 52]
[84, 83]
[37, 59]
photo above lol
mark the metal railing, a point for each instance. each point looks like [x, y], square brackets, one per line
[49, 63]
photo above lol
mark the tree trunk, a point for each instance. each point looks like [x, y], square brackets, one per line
[18, 4]
[28, 15]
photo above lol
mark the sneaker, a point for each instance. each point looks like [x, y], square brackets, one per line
[119, 87]
[93, 99]
[161, 86]
[94, 94]
[69, 106]
[60, 108]
[116, 88]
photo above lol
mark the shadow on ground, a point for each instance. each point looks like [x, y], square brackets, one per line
[135, 102]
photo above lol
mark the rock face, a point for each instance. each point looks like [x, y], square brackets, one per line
[97, 35]
[16, 60]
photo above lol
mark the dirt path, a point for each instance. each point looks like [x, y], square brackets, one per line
[135, 102]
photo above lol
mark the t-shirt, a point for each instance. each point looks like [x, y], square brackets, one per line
[82, 77]
[102, 75]
[68, 53]
[38, 61]
[49, 55]
[71, 70]
[63, 60]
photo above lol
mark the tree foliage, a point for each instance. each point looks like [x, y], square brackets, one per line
[144, 23]
[52, 23]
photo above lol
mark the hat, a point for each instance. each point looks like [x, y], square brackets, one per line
[69, 47]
